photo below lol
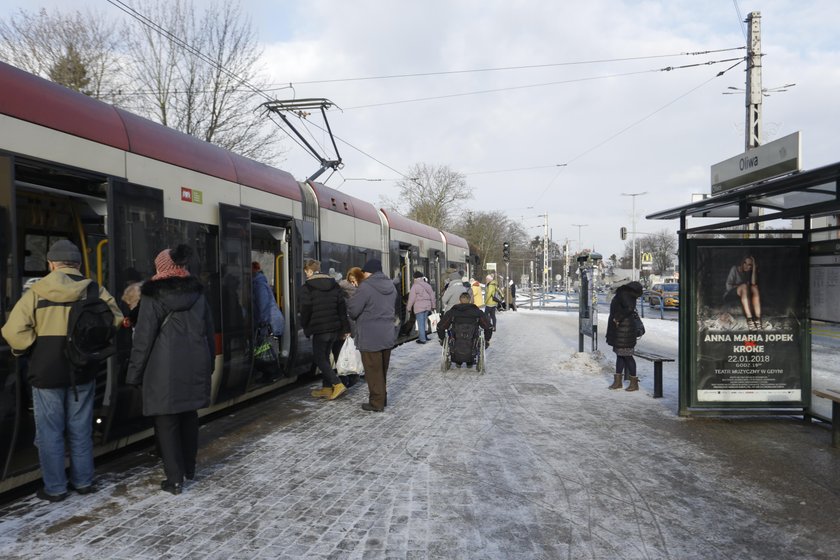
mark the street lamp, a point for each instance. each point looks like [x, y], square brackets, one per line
[634, 195]
[580, 246]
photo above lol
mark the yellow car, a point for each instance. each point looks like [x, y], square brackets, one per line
[668, 294]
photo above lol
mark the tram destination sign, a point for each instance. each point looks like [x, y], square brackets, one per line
[763, 162]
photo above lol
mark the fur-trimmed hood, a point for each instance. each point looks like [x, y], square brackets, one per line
[177, 294]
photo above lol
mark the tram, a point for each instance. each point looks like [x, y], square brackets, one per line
[123, 188]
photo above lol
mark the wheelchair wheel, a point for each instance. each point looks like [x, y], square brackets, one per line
[480, 363]
[446, 359]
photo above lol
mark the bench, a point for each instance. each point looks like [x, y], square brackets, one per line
[834, 396]
[657, 369]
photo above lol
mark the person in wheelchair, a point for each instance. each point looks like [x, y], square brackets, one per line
[461, 324]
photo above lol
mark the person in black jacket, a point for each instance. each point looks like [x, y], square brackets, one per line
[173, 356]
[621, 333]
[465, 312]
[323, 316]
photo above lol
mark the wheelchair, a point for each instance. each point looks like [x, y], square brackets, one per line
[464, 343]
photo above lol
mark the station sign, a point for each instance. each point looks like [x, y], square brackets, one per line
[763, 162]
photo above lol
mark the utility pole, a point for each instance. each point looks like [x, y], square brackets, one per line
[545, 254]
[566, 267]
[580, 246]
[753, 89]
[634, 195]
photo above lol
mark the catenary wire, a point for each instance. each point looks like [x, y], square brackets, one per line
[632, 125]
[543, 84]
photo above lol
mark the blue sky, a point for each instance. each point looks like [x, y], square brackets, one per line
[620, 127]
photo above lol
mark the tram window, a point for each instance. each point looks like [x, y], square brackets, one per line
[35, 253]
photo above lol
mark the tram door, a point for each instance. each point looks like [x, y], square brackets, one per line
[271, 250]
[9, 292]
[236, 301]
[40, 205]
[136, 235]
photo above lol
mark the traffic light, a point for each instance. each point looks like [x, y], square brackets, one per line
[623, 233]
[506, 251]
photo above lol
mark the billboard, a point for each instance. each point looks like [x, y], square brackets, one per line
[748, 318]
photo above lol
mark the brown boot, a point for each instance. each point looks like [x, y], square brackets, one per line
[634, 383]
[617, 383]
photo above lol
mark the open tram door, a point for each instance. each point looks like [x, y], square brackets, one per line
[271, 248]
[247, 236]
[41, 203]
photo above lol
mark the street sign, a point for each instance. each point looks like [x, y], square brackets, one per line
[763, 162]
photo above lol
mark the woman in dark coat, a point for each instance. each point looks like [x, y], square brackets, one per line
[621, 333]
[173, 357]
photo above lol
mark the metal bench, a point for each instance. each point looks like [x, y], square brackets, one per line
[657, 369]
[834, 396]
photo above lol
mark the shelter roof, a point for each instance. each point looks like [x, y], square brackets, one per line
[804, 193]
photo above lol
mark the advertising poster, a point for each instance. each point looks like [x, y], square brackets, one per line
[749, 312]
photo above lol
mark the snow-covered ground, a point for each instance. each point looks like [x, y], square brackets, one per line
[536, 459]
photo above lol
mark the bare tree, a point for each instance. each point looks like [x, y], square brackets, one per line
[661, 245]
[79, 50]
[432, 195]
[199, 74]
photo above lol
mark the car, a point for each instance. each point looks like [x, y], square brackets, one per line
[668, 294]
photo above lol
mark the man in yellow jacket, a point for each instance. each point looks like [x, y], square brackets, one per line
[62, 396]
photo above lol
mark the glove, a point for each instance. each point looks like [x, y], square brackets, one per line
[486, 344]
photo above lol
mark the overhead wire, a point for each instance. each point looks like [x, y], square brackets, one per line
[634, 124]
[543, 84]
[741, 21]
[158, 28]
[508, 68]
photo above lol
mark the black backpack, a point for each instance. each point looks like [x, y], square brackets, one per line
[90, 330]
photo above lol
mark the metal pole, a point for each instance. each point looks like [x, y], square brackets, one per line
[545, 256]
[634, 195]
[753, 89]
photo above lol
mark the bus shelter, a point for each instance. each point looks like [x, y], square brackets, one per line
[757, 264]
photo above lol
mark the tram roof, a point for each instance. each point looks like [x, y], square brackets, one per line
[455, 240]
[407, 225]
[805, 193]
[337, 201]
[33, 99]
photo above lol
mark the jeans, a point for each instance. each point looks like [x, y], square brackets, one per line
[57, 411]
[421, 325]
[321, 350]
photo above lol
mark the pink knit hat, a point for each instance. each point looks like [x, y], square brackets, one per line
[166, 267]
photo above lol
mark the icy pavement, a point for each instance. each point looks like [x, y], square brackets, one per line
[535, 459]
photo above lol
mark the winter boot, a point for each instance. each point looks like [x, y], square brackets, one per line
[617, 383]
[336, 391]
[634, 383]
[322, 393]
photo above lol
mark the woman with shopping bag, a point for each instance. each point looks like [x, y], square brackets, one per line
[421, 299]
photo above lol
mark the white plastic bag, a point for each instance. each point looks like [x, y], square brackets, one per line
[434, 319]
[349, 359]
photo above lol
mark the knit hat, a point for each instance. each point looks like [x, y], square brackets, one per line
[172, 263]
[373, 265]
[64, 251]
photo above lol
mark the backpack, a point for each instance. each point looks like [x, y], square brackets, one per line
[90, 330]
